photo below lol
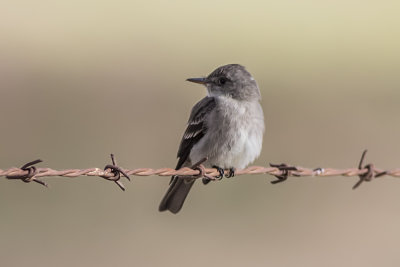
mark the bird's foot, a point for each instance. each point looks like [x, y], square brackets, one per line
[285, 169]
[231, 173]
[221, 172]
[206, 179]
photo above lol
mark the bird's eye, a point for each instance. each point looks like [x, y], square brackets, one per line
[221, 81]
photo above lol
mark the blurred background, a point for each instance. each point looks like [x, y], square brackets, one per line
[82, 79]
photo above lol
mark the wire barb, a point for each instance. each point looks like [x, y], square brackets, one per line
[116, 171]
[285, 172]
[30, 176]
[198, 166]
[369, 175]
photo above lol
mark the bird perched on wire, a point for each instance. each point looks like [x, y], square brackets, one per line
[226, 126]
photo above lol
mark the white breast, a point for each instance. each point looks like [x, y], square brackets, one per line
[234, 137]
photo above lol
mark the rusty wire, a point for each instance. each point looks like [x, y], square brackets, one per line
[112, 172]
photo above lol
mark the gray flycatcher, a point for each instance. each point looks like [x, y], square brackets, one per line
[226, 126]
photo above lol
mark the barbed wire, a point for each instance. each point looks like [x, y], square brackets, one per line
[28, 172]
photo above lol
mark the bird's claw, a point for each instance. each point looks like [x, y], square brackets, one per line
[231, 173]
[220, 171]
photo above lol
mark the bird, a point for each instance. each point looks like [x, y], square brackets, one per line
[226, 127]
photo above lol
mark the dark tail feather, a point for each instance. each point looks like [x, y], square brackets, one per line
[176, 195]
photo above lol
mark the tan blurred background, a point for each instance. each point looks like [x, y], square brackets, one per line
[329, 77]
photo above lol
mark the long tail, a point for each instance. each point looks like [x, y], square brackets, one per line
[176, 195]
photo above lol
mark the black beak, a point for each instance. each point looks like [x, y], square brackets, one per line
[197, 80]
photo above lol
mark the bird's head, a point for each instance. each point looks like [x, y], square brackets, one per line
[231, 80]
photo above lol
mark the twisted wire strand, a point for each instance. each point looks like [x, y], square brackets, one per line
[300, 172]
[112, 172]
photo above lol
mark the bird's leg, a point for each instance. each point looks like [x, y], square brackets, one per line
[231, 173]
[221, 172]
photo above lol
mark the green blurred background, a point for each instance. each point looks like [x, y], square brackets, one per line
[83, 79]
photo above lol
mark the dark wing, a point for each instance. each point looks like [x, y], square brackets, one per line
[196, 128]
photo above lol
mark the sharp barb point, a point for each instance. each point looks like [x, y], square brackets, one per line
[120, 185]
